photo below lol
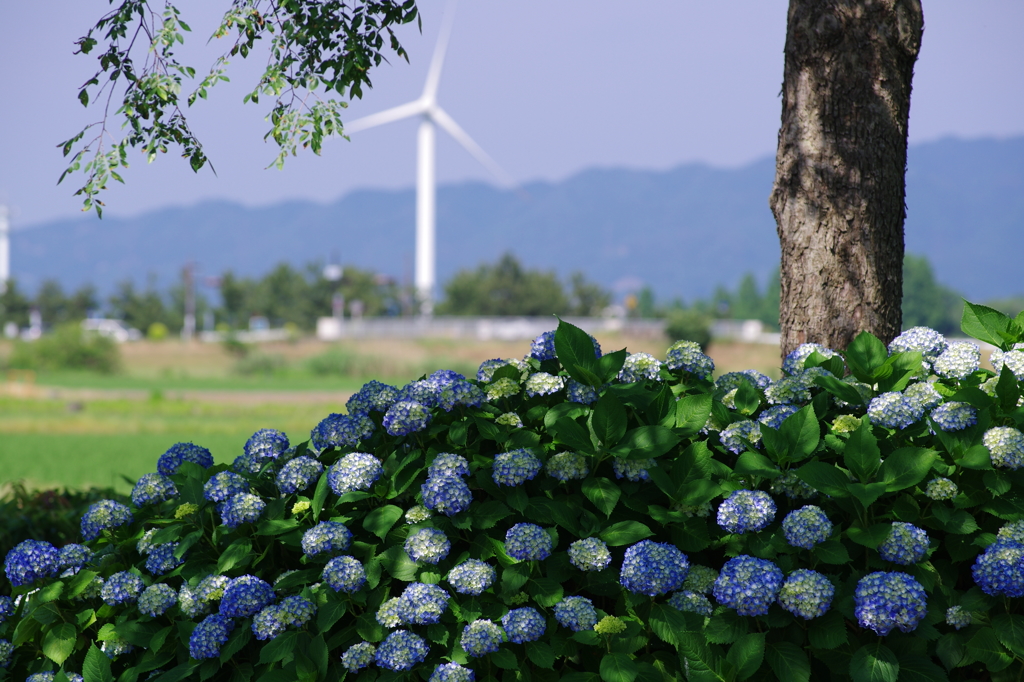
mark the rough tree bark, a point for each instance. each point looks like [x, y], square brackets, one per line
[838, 196]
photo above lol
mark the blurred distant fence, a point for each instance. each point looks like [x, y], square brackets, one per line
[480, 328]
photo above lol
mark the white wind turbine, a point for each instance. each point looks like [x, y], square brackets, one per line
[431, 114]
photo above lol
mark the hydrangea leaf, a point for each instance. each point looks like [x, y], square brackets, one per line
[1010, 630]
[861, 454]
[568, 432]
[96, 667]
[320, 495]
[874, 663]
[618, 667]
[831, 552]
[381, 520]
[920, 669]
[828, 631]
[602, 493]
[906, 467]
[575, 351]
[609, 420]
[238, 553]
[789, 662]
[541, 654]
[824, 478]
[864, 355]
[984, 647]
[505, 659]
[840, 389]
[59, 642]
[756, 464]
[725, 627]
[748, 398]
[991, 326]
[746, 654]
[866, 494]
[646, 442]
[692, 412]
[610, 364]
[702, 661]
[1007, 389]
[625, 533]
[976, 457]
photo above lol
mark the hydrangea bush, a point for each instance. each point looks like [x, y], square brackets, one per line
[573, 516]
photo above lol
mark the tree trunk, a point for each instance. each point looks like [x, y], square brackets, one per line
[838, 197]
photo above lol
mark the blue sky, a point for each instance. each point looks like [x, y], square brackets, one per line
[547, 87]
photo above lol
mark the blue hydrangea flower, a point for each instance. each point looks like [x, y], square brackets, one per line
[153, 489]
[340, 430]
[428, 545]
[745, 511]
[295, 610]
[543, 347]
[576, 613]
[700, 579]
[298, 474]
[794, 389]
[245, 596]
[590, 554]
[394, 612]
[883, 601]
[183, 452]
[640, 366]
[958, 361]
[1012, 531]
[224, 485]
[426, 603]
[452, 672]
[266, 624]
[575, 392]
[460, 392]
[928, 342]
[326, 537]
[122, 588]
[632, 469]
[694, 602]
[775, 415]
[481, 637]
[104, 515]
[687, 356]
[424, 392]
[523, 625]
[447, 495]
[922, 396]
[209, 636]
[354, 471]
[543, 383]
[247, 464]
[116, 647]
[958, 617]
[6, 608]
[472, 577]
[954, 416]
[488, 367]
[999, 570]
[794, 362]
[527, 542]
[892, 410]
[401, 651]
[161, 559]
[1005, 446]
[372, 397]
[568, 466]
[731, 380]
[266, 444]
[502, 388]
[6, 651]
[344, 574]
[405, 417]
[417, 514]
[748, 584]
[653, 568]
[211, 588]
[806, 527]
[906, 544]
[445, 377]
[73, 557]
[515, 467]
[792, 487]
[734, 434]
[358, 656]
[448, 464]
[509, 419]
[242, 508]
[190, 604]
[940, 489]
[1013, 359]
[807, 594]
[157, 599]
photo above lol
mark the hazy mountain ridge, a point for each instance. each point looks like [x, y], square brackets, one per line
[681, 231]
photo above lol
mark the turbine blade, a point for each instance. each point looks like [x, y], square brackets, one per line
[437, 61]
[462, 137]
[386, 116]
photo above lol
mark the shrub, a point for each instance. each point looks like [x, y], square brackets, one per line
[573, 516]
[688, 324]
[157, 331]
[67, 347]
[260, 364]
[336, 362]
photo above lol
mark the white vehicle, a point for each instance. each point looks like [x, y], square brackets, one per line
[113, 329]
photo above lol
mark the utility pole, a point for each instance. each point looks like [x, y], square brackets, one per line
[188, 329]
[5, 249]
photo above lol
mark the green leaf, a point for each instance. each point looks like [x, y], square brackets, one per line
[610, 364]
[575, 350]
[646, 442]
[756, 464]
[609, 420]
[788, 661]
[828, 631]
[866, 494]
[1010, 630]
[920, 669]
[831, 552]
[985, 647]
[602, 493]
[692, 412]
[540, 654]
[989, 325]
[701, 661]
[861, 454]
[96, 667]
[870, 537]
[625, 533]
[874, 663]
[865, 354]
[505, 659]
[746, 654]
[329, 614]
[320, 495]
[570, 433]
[1007, 389]
[667, 623]
[747, 398]
[514, 577]
[799, 434]
[976, 457]
[906, 467]
[618, 668]
[487, 514]
[397, 563]
[840, 389]
[824, 478]
[238, 553]
[381, 520]
[60, 642]
[546, 592]
[278, 648]
[725, 627]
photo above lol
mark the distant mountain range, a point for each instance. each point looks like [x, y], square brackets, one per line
[682, 231]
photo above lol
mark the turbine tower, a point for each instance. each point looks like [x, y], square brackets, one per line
[431, 115]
